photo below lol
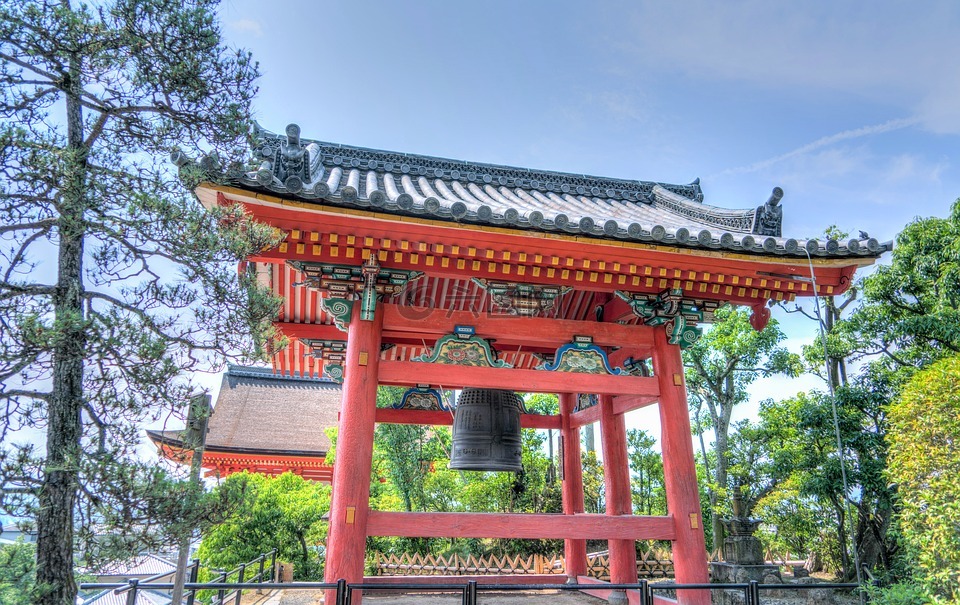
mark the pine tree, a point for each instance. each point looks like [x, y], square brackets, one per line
[113, 280]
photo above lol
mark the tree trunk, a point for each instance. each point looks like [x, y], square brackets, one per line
[61, 468]
[720, 447]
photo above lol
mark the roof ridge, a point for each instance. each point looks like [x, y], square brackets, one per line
[415, 165]
[262, 373]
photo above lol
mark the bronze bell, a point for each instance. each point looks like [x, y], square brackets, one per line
[486, 431]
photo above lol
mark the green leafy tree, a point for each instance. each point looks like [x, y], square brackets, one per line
[113, 280]
[646, 469]
[284, 512]
[752, 473]
[911, 313]
[594, 490]
[805, 457]
[729, 357]
[17, 569]
[924, 438]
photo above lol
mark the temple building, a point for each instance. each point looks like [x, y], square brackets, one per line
[264, 423]
[433, 274]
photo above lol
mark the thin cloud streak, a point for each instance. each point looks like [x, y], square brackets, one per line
[855, 133]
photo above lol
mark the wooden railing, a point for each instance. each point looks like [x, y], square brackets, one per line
[650, 564]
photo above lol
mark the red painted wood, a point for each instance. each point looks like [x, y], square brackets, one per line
[616, 478]
[362, 224]
[504, 579]
[351, 471]
[574, 550]
[400, 338]
[627, 403]
[680, 474]
[512, 330]
[411, 373]
[434, 418]
[585, 417]
[518, 525]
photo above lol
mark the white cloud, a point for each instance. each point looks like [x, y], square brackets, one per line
[246, 26]
[823, 142]
[883, 51]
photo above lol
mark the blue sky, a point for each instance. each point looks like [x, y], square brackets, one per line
[851, 107]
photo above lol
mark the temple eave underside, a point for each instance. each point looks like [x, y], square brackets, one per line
[459, 269]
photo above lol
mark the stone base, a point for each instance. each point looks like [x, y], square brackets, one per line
[731, 573]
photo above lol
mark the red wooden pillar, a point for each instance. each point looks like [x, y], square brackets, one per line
[616, 478]
[351, 470]
[574, 551]
[679, 471]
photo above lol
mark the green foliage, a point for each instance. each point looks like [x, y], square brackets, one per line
[17, 566]
[925, 461]
[283, 512]
[904, 593]
[729, 357]
[646, 474]
[114, 281]
[594, 489]
[913, 314]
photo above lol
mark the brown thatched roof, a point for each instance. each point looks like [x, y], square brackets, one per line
[258, 411]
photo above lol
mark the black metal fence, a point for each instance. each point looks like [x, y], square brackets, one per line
[752, 591]
[225, 590]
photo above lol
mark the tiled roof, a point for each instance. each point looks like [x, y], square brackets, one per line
[259, 411]
[144, 597]
[141, 565]
[604, 208]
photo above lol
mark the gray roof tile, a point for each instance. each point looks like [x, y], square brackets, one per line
[604, 208]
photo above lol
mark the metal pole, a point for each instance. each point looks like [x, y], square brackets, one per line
[243, 569]
[472, 592]
[222, 593]
[194, 572]
[341, 592]
[132, 595]
[644, 590]
[755, 592]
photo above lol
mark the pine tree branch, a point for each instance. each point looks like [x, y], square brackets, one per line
[147, 319]
[17, 393]
[27, 101]
[14, 290]
[41, 224]
[52, 78]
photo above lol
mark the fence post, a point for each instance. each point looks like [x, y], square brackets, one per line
[644, 589]
[754, 592]
[132, 594]
[472, 592]
[273, 563]
[222, 592]
[341, 592]
[263, 561]
[192, 578]
[243, 569]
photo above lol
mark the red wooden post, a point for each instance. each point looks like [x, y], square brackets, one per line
[352, 466]
[616, 478]
[679, 472]
[574, 551]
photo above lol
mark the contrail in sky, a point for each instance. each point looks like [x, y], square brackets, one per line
[824, 142]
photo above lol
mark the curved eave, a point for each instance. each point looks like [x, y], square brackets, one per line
[161, 439]
[670, 221]
[208, 195]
